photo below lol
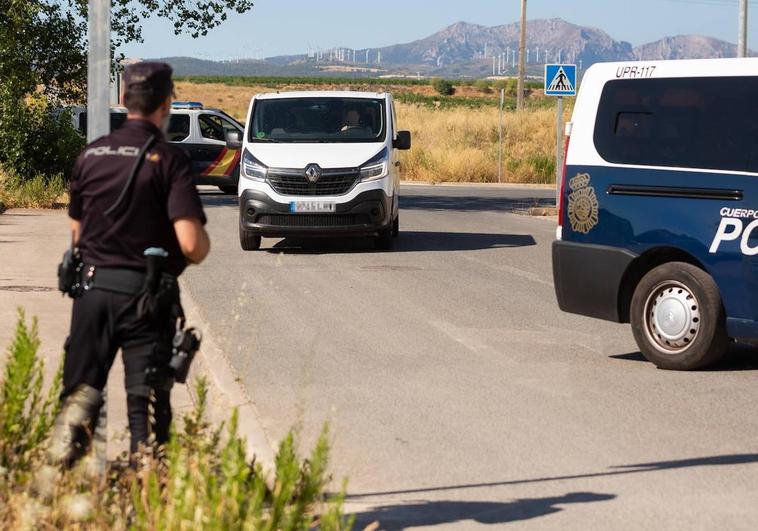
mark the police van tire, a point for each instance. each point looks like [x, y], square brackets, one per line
[249, 241]
[678, 319]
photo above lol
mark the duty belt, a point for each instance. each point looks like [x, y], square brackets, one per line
[119, 280]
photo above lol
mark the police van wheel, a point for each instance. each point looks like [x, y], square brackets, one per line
[249, 241]
[678, 319]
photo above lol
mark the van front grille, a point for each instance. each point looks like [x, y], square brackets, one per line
[313, 220]
[337, 181]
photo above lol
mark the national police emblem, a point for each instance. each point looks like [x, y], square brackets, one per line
[582, 204]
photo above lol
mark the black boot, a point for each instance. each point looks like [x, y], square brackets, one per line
[74, 426]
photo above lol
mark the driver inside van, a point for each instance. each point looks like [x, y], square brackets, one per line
[352, 120]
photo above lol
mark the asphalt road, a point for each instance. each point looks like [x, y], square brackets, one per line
[458, 394]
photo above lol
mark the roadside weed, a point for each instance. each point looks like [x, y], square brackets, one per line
[202, 479]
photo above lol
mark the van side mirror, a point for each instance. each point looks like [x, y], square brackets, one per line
[403, 140]
[233, 139]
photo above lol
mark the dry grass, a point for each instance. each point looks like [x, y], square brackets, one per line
[449, 145]
[38, 192]
[461, 145]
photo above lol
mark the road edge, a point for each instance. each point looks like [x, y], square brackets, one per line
[520, 186]
[224, 388]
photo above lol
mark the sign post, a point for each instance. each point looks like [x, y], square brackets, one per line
[558, 149]
[560, 81]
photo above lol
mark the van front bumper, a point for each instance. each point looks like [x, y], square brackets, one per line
[366, 214]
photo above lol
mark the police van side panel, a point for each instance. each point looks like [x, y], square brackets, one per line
[661, 169]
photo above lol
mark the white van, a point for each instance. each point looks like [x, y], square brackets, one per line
[319, 163]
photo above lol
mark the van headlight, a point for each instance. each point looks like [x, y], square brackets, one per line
[376, 167]
[252, 168]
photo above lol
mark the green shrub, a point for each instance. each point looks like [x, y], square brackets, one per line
[35, 138]
[212, 485]
[483, 85]
[279, 81]
[204, 479]
[40, 191]
[435, 102]
[443, 87]
[544, 168]
[26, 413]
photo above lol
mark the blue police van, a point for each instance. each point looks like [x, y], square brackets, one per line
[658, 211]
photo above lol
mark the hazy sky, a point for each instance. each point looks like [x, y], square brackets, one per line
[277, 27]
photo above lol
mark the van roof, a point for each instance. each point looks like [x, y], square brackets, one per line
[321, 94]
[601, 72]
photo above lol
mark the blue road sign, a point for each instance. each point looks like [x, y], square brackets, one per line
[560, 80]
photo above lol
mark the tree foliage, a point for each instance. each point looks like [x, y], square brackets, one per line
[43, 56]
[443, 87]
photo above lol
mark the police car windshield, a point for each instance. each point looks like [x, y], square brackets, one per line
[318, 120]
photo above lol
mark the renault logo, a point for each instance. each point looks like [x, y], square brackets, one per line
[313, 173]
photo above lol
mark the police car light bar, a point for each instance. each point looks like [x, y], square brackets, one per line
[187, 105]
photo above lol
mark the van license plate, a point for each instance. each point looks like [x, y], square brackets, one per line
[312, 206]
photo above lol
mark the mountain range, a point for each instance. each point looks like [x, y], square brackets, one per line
[469, 50]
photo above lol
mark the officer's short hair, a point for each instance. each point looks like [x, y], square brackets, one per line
[146, 86]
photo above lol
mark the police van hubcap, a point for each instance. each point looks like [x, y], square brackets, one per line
[672, 316]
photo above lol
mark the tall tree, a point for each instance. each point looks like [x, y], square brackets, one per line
[43, 42]
[43, 62]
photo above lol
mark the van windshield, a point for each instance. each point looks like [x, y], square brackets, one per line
[318, 120]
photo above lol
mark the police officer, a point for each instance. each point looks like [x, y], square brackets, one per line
[133, 205]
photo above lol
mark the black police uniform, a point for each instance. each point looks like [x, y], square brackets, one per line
[106, 316]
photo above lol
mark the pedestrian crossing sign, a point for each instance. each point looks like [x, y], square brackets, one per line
[560, 80]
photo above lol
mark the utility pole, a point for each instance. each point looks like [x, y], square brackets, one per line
[99, 124]
[742, 39]
[98, 69]
[521, 58]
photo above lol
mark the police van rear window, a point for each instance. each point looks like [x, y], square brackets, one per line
[706, 123]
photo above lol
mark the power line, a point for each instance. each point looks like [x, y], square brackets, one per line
[715, 3]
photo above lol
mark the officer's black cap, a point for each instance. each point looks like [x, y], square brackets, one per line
[148, 76]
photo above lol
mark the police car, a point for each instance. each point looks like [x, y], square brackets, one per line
[201, 132]
[658, 215]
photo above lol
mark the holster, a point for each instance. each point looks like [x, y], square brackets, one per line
[161, 303]
[70, 273]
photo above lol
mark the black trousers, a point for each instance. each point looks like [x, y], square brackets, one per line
[103, 322]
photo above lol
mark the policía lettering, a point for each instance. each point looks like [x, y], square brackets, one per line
[123, 151]
[733, 227]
